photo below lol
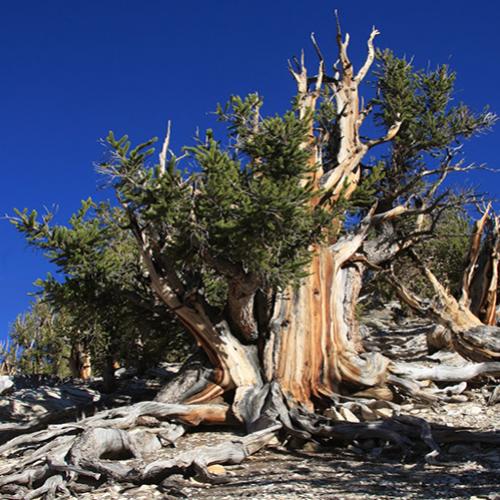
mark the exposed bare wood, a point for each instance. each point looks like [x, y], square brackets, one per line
[472, 258]
[233, 452]
[495, 396]
[391, 133]
[480, 343]
[370, 57]
[27, 477]
[191, 414]
[316, 352]
[196, 376]
[439, 338]
[36, 437]
[79, 362]
[484, 282]
[241, 306]
[443, 373]
[164, 150]
[51, 487]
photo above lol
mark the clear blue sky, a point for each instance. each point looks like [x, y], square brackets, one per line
[72, 70]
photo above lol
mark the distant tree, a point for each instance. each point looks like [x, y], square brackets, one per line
[113, 316]
[40, 337]
[8, 357]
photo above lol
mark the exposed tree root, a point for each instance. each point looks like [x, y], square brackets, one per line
[122, 444]
[51, 486]
[231, 452]
[192, 379]
[10, 430]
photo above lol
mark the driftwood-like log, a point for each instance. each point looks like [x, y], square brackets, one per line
[101, 450]
[27, 477]
[130, 416]
[443, 373]
[194, 376]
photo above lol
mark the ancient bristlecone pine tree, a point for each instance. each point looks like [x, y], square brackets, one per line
[250, 222]
[249, 252]
[259, 249]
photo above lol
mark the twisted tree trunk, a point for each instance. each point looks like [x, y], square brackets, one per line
[314, 349]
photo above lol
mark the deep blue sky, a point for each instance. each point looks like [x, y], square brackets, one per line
[72, 70]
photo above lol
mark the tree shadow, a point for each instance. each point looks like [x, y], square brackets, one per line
[340, 472]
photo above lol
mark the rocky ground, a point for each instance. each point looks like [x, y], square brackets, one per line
[306, 472]
[282, 474]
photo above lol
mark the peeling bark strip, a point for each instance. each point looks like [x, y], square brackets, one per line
[484, 283]
[472, 258]
[480, 279]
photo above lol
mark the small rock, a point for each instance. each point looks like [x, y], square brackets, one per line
[5, 383]
[367, 414]
[348, 415]
[333, 414]
[311, 446]
[217, 470]
[147, 421]
[384, 404]
[53, 394]
[384, 412]
[473, 410]
[274, 441]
